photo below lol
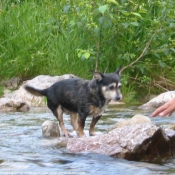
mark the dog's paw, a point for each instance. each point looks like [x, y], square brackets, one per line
[67, 135]
[92, 134]
[82, 135]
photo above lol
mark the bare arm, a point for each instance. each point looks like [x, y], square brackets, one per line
[166, 109]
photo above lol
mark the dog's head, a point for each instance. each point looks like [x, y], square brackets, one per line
[110, 84]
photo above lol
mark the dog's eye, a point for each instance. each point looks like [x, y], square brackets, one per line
[119, 86]
[111, 87]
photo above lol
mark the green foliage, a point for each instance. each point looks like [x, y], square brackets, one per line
[58, 37]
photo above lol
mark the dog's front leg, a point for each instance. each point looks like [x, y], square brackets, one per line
[81, 124]
[93, 123]
[74, 122]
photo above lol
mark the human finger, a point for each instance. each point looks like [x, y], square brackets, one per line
[159, 110]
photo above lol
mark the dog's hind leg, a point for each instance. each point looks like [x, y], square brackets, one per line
[58, 113]
[93, 123]
[61, 123]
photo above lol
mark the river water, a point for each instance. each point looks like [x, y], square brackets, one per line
[24, 150]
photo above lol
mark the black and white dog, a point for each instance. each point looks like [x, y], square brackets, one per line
[81, 98]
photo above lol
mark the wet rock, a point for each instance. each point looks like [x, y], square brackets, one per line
[50, 129]
[136, 142]
[172, 126]
[137, 119]
[171, 135]
[40, 82]
[9, 105]
[158, 101]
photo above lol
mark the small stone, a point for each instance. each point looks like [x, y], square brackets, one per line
[50, 129]
[137, 119]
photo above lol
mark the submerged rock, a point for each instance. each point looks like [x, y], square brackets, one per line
[50, 129]
[158, 101]
[12, 105]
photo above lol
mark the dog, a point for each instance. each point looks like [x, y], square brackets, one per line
[81, 98]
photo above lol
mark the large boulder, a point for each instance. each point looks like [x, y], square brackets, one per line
[40, 82]
[158, 101]
[136, 142]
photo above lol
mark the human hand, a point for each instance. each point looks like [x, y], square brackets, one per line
[166, 109]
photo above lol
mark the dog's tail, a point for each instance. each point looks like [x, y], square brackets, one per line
[36, 92]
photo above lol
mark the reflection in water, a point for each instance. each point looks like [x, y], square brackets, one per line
[23, 149]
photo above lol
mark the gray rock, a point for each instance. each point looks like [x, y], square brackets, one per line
[136, 142]
[158, 101]
[171, 135]
[50, 129]
[9, 105]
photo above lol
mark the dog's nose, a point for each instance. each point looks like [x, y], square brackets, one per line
[118, 98]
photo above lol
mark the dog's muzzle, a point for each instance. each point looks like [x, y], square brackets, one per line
[118, 98]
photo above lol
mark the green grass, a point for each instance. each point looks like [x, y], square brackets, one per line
[34, 41]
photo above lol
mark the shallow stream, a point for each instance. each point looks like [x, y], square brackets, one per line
[24, 151]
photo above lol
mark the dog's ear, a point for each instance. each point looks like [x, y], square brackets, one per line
[118, 70]
[98, 76]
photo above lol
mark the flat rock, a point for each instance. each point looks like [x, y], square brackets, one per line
[136, 142]
[158, 101]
